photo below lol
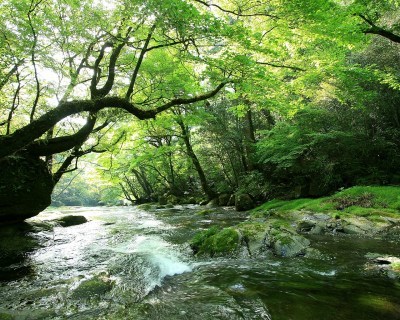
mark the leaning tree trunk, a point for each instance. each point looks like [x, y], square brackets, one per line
[25, 187]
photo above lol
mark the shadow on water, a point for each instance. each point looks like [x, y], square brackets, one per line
[17, 242]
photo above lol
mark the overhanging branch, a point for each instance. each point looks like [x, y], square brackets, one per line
[374, 29]
[34, 130]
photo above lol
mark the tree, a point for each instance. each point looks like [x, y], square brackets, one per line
[61, 67]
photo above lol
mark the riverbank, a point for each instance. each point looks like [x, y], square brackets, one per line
[288, 228]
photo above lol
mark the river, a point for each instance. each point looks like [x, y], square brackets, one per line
[131, 263]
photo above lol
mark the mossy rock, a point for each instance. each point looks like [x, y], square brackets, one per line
[6, 316]
[94, 287]
[71, 220]
[243, 202]
[205, 212]
[285, 242]
[215, 241]
[145, 206]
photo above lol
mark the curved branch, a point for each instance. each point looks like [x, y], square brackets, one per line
[374, 29]
[47, 147]
[238, 13]
[26, 135]
[102, 92]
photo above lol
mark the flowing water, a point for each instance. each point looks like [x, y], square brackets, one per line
[128, 263]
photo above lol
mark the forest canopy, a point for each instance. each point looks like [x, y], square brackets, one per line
[197, 99]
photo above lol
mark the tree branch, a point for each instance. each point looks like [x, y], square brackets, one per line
[275, 65]
[7, 77]
[47, 147]
[26, 135]
[139, 63]
[238, 13]
[374, 29]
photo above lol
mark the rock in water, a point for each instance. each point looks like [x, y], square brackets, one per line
[71, 220]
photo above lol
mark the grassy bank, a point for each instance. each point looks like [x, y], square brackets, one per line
[360, 201]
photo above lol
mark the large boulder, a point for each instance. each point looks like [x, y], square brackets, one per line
[243, 202]
[25, 188]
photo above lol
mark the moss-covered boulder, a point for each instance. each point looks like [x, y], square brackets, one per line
[162, 200]
[243, 202]
[216, 241]
[93, 288]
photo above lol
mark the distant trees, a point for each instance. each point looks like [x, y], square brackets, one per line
[298, 90]
[64, 60]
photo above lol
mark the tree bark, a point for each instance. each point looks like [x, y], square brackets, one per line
[210, 193]
[25, 187]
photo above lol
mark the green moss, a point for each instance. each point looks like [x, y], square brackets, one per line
[205, 212]
[379, 303]
[6, 316]
[396, 267]
[96, 286]
[145, 206]
[360, 200]
[250, 229]
[215, 241]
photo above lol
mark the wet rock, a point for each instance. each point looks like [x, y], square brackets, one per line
[243, 202]
[393, 233]
[286, 244]
[203, 202]
[362, 226]
[71, 220]
[305, 225]
[25, 188]
[94, 287]
[388, 265]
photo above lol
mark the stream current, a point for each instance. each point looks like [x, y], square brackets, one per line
[130, 263]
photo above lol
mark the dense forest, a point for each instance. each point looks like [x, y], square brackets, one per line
[184, 101]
